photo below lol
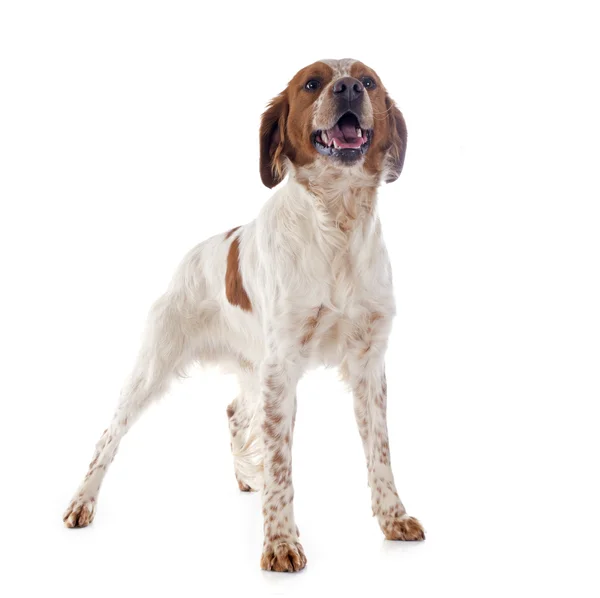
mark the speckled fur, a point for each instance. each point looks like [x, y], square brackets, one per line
[310, 284]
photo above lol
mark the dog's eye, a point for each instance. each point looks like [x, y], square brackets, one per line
[313, 85]
[368, 83]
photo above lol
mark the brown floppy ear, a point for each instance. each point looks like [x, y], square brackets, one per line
[397, 128]
[272, 141]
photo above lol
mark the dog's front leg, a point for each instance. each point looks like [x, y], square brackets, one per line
[281, 549]
[364, 370]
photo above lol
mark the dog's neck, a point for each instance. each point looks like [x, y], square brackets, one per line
[345, 195]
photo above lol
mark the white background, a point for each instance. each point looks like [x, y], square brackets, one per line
[128, 133]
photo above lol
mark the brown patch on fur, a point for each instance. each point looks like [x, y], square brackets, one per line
[278, 457]
[310, 326]
[286, 125]
[272, 383]
[243, 486]
[229, 233]
[230, 410]
[234, 288]
[270, 430]
[389, 129]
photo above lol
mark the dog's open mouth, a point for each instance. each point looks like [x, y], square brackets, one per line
[347, 140]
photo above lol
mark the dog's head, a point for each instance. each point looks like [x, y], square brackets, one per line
[336, 113]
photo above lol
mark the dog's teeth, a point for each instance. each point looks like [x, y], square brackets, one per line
[324, 138]
[358, 132]
[335, 143]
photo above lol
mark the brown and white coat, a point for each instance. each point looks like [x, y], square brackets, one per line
[308, 282]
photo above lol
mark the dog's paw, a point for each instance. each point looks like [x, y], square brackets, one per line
[286, 556]
[403, 528]
[80, 512]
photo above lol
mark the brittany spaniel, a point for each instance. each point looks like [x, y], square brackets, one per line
[308, 282]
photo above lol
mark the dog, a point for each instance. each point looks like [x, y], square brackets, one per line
[307, 283]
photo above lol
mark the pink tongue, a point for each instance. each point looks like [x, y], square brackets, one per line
[348, 131]
[345, 136]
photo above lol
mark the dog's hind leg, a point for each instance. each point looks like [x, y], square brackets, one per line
[172, 330]
[244, 426]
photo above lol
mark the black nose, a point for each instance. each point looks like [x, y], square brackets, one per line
[348, 87]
